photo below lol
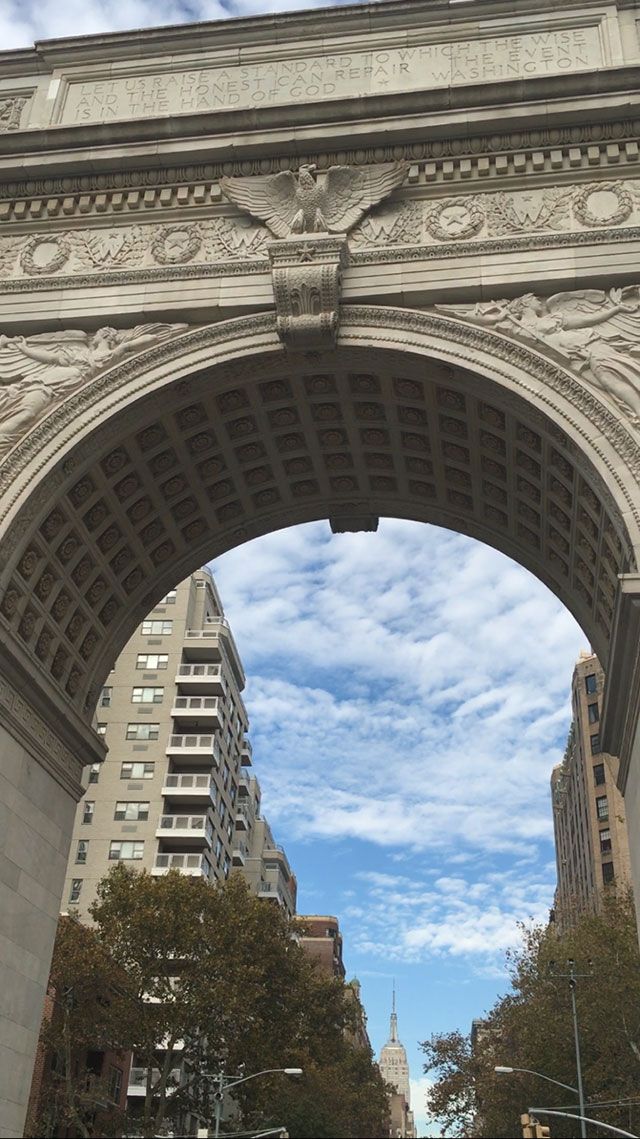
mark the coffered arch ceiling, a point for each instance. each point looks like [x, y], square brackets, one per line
[220, 436]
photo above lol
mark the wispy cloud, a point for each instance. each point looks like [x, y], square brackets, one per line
[409, 693]
[23, 23]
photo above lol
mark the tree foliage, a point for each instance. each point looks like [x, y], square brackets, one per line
[90, 1008]
[532, 1027]
[213, 977]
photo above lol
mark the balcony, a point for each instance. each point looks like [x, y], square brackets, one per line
[194, 746]
[246, 753]
[201, 678]
[239, 853]
[208, 708]
[244, 818]
[194, 829]
[193, 865]
[138, 1080]
[189, 785]
[275, 857]
[214, 643]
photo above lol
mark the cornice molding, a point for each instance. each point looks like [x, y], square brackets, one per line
[312, 24]
[482, 158]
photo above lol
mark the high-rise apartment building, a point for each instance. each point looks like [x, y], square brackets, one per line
[265, 865]
[173, 791]
[592, 850]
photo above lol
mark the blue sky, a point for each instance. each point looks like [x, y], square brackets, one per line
[408, 693]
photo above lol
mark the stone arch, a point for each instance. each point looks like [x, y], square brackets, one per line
[218, 435]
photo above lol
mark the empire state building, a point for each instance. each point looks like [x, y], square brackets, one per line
[394, 1068]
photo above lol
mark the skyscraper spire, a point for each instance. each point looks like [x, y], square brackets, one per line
[393, 1035]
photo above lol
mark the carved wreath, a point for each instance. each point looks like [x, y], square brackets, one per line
[587, 216]
[182, 251]
[468, 228]
[31, 266]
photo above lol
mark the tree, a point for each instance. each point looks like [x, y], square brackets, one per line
[208, 977]
[221, 981]
[531, 1027]
[90, 1009]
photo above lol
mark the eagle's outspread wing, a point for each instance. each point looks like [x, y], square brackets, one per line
[272, 198]
[348, 192]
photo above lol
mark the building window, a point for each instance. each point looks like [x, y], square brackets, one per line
[76, 887]
[608, 873]
[137, 770]
[115, 1084]
[593, 712]
[134, 811]
[157, 628]
[152, 661]
[143, 731]
[94, 772]
[598, 774]
[169, 598]
[605, 841]
[147, 695]
[595, 744]
[591, 684]
[602, 807]
[87, 811]
[120, 850]
[101, 728]
[105, 697]
[81, 852]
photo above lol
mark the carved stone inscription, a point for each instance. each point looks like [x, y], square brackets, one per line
[419, 67]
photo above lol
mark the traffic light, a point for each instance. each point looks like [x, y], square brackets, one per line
[531, 1129]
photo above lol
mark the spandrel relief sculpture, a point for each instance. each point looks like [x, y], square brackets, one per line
[597, 332]
[38, 372]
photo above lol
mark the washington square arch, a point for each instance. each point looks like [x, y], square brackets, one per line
[379, 260]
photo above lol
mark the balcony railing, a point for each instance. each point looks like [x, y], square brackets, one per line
[198, 672]
[183, 822]
[244, 817]
[200, 707]
[195, 864]
[195, 744]
[189, 784]
[212, 630]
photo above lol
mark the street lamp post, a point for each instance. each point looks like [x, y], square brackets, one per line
[572, 978]
[225, 1083]
[502, 1070]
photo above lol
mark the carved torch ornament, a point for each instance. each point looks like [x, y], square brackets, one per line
[312, 217]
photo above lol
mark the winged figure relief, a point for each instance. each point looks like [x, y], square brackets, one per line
[598, 331]
[330, 203]
[38, 372]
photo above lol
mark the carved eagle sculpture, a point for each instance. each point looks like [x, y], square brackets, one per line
[291, 205]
